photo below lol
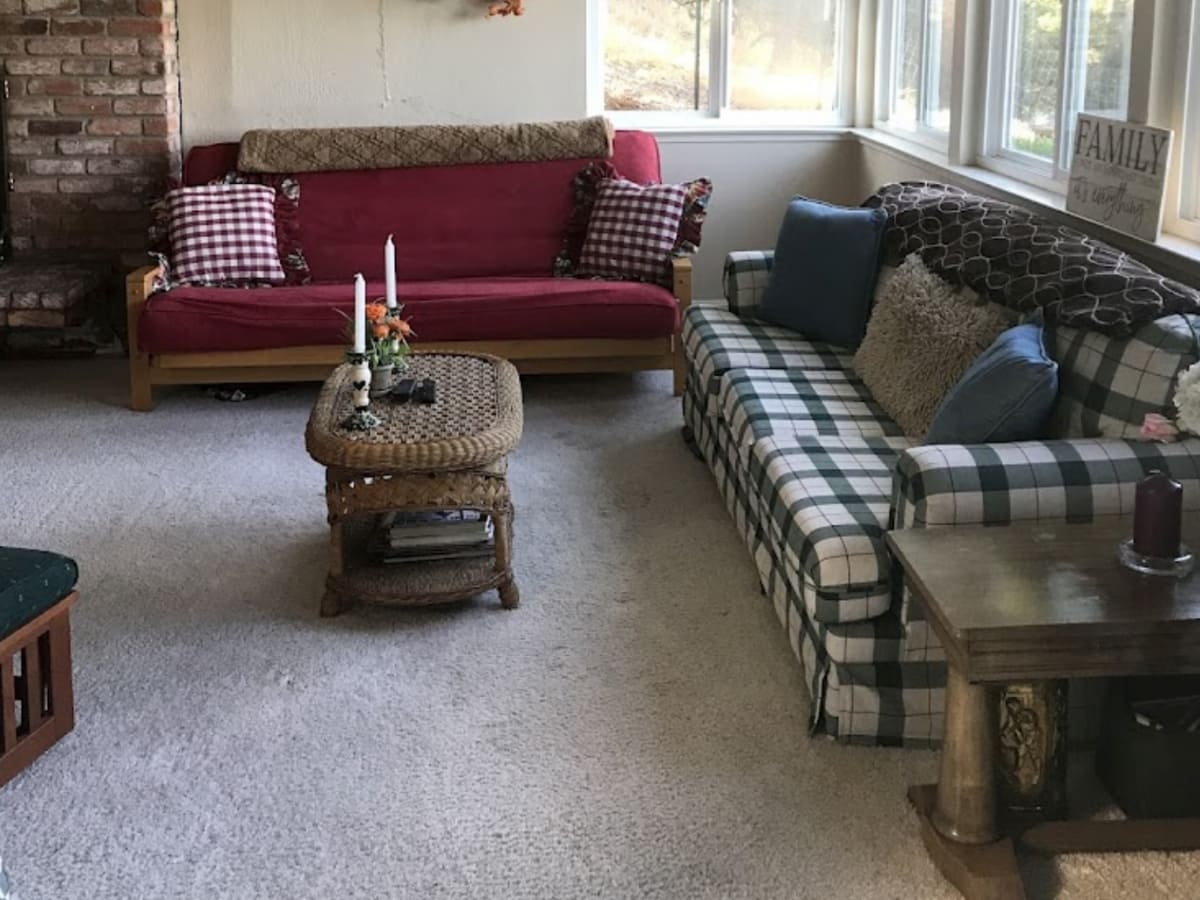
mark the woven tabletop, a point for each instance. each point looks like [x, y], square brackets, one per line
[476, 419]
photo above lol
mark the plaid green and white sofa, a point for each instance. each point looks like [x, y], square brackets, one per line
[814, 473]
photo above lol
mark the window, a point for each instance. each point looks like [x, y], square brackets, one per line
[916, 59]
[1051, 60]
[742, 59]
[1187, 222]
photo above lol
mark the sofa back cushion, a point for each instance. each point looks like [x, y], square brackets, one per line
[1108, 385]
[448, 221]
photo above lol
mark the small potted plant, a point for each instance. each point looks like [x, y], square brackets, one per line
[387, 345]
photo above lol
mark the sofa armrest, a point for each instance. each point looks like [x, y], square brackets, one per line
[746, 276]
[681, 281]
[1060, 480]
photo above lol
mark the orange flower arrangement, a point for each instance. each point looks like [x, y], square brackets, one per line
[388, 334]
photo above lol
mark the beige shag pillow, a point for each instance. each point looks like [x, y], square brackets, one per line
[922, 337]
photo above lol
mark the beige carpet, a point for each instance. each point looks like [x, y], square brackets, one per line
[636, 729]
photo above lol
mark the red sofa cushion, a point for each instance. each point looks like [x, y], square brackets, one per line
[449, 221]
[201, 319]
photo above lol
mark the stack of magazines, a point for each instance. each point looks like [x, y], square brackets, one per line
[432, 535]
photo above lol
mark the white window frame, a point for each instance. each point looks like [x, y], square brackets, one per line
[1183, 216]
[718, 113]
[886, 46]
[1054, 173]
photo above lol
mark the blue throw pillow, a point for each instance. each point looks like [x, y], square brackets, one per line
[823, 276]
[1006, 395]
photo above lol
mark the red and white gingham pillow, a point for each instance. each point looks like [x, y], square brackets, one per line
[223, 233]
[632, 231]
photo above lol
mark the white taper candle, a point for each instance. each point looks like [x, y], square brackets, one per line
[389, 266]
[360, 314]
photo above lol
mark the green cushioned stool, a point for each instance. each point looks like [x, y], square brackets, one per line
[37, 590]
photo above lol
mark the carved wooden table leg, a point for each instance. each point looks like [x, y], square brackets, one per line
[1033, 752]
[958, 816]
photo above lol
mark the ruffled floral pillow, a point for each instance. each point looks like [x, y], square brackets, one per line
[287, 232]
[585, 187]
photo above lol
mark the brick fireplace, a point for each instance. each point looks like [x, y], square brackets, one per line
[92, 136]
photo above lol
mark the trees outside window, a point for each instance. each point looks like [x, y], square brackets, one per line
[721, 57]
[915, 65]
[1054, 59]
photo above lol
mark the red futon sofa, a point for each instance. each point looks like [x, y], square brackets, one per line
[475, 246]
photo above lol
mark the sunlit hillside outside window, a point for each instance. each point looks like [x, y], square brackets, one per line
[782, 55]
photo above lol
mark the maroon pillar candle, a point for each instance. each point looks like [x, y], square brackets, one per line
[1157, 516]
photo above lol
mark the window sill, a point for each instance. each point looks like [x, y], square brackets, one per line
[734, 128]
[1171, 254]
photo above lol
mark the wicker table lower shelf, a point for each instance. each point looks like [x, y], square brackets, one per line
[362, 580]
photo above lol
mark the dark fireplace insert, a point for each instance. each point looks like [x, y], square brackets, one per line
[5, 183]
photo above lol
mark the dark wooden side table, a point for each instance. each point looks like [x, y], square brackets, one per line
[1028, 604]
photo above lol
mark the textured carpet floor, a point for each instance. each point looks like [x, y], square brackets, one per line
[636, 729]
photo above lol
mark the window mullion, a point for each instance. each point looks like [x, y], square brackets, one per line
[1072, 75]
[923, 76]
[720, 35]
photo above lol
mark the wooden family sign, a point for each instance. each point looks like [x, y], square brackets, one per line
[1118, 174]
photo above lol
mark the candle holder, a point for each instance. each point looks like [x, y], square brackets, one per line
[362, 419]
[1179, 567]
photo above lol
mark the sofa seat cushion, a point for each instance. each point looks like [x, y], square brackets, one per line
[31, 581]
[197, 319]
[825, 506]
[758, 403]
[715, 341]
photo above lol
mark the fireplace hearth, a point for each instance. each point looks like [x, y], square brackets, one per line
[91, 136]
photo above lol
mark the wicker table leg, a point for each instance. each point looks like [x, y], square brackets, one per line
[510, 596]
[331, 602]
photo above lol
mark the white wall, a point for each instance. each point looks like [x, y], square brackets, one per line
[310, 63]
[752, 182]
[294, 63]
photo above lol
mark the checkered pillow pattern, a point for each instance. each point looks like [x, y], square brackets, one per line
[223, 233]
[632, 230]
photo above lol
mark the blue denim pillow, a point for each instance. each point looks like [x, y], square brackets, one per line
[823, 276]
[1006, 395]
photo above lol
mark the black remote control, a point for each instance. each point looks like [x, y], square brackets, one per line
[403, 389]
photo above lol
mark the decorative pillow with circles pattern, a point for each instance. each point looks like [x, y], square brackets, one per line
[1024, 261]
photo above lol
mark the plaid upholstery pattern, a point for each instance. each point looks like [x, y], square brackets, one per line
[825, 504]
[758, 404]
[1060, 481]
[873, 682]
[746, 275]
[632, 231]
[223, 233]
[879, 678]
[715, 341]
[1107, 384]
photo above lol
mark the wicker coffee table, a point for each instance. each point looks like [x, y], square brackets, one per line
[451, 454]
